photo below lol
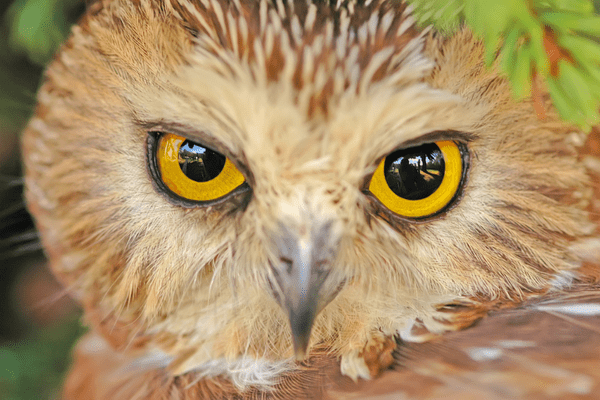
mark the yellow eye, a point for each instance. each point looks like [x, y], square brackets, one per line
[193, 171]
[419, 181]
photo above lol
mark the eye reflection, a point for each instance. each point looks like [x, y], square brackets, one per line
[199, 163]
[415, 173]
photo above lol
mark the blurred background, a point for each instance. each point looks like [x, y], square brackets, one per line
[38, 322]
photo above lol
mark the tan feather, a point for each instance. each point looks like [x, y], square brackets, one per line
[305, 99]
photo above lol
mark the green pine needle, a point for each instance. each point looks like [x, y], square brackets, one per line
[558, 40]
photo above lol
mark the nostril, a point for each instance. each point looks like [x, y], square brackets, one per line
[288, 262]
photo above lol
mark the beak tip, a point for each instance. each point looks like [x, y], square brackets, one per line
[300, 355]
[301, 329]
[300, 346]
[300, 351]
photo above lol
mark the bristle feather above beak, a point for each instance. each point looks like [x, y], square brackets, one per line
[302, 272]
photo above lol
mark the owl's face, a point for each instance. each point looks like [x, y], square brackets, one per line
[219, 174]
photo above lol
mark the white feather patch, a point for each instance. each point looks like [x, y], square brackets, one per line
[583, 309]
[484, 353]
[245, 371]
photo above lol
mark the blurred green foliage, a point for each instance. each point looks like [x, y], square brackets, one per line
[30, 33]
[33, 367]
[38, 27]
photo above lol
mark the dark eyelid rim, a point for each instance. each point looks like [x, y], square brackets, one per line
[203, 138]
[243, 191]
[461, 139]
[435, 136]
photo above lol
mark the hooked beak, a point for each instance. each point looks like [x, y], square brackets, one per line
[303, 275]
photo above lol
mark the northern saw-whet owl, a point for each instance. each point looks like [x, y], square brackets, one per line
[230, 187]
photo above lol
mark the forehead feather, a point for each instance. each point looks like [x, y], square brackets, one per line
[320, 48]
[354, 64]
[353, 72]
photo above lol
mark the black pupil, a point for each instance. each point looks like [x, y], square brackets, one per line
[415, 173]
[199, 163]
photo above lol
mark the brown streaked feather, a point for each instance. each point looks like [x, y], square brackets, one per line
[535, 351]
[308, 99]
[531, 351]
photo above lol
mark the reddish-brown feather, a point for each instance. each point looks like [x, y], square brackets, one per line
[528, 352]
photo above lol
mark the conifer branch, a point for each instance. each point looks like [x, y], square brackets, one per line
[555, 40]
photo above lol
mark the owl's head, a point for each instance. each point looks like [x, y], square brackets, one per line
[213, 173]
